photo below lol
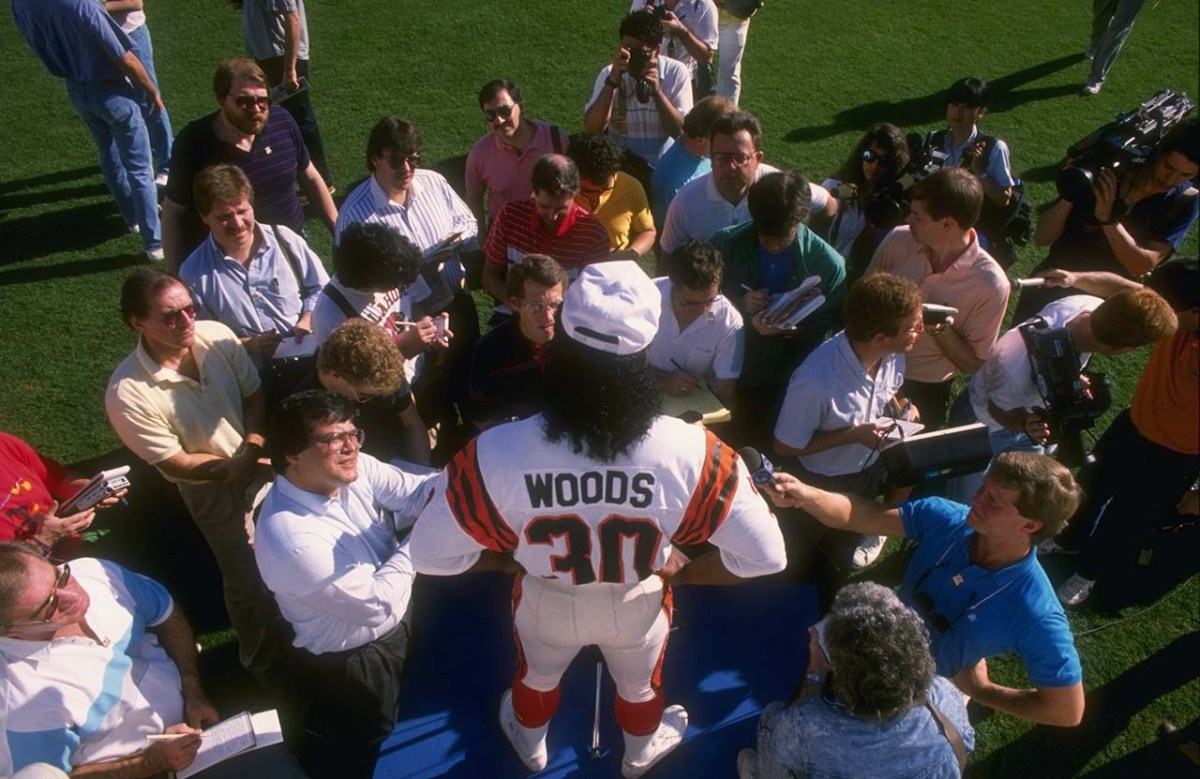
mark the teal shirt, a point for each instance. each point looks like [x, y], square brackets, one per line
[771, 360]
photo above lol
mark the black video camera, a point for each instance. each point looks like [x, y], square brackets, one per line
[892, 199]
[658, 10]
[1129, 140]
[1072, 404]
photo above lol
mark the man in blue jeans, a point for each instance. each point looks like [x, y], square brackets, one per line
[77, 41]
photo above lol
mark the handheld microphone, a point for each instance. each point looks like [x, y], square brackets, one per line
[762, 473]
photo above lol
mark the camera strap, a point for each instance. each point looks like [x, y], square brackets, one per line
[622, 110]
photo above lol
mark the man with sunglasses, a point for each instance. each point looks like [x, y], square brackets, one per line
[189, 402]
[976, 580]
[700, 339]
[265, 144]
[94, 659]
[328, 549]
[939, 250]
[641, 97]
[500, 163]
[420, 205]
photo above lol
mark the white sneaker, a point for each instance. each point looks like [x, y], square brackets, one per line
[747, 764]
[866, 552]
[666, 738]
[1090, 54]
[535, 759]
[1092, 89]
[160, 180]
[156, 255]
[1075, 590]
[134, 229]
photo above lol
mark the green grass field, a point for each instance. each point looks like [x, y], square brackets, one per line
[817, 74]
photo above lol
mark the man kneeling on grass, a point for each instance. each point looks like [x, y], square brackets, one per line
[975, 578]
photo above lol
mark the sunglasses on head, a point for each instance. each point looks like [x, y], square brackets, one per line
[503, 112]
[247, 102]
[870, 155]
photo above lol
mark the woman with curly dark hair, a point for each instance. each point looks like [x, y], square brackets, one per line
[876, 159]
[870, 703]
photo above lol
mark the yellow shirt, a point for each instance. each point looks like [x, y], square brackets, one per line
[624, 211]
[158, 412]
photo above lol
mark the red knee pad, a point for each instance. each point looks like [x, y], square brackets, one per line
[534, 708]
[639, 719]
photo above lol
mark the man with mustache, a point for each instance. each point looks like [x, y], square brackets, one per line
[265, 144]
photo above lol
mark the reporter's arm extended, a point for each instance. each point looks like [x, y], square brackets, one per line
[835, 510]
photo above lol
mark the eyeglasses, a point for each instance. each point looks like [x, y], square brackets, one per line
[696, 304]
[503, 112]
[52, 604]
[361, 397]
[248, 102]
[338, 442]
[413, 160]
[542, 308]
[172, 318]
[720, 159]
[870, 155]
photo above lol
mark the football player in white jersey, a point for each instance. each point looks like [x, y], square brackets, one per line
[591, 499]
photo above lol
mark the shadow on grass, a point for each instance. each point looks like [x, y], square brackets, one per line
[68, 230]
[932, 107]
[10, 202]
[57, 177]
[69, 269]
[1110, 708]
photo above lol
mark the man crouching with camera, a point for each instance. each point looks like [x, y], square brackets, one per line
[1027, 402]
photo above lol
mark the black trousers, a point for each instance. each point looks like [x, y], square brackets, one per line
[931, 399]
[348, 702]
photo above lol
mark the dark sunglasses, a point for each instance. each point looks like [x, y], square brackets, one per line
[503, 112]
[870, 155]
[247, 102]
[413, 160]
[171, 318]
[51, 604]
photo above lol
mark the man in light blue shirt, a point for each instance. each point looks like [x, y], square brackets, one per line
[261, 281]
[78, 41]
[687, 159]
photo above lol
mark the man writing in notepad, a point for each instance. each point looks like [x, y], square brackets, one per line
[95, 660]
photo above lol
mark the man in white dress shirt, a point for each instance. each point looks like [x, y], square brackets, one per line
[328, 547]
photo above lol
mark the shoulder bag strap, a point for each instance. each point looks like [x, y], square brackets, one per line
[952, 735]
[291, 258]
[336, 296]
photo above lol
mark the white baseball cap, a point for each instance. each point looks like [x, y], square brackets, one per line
[612, 307]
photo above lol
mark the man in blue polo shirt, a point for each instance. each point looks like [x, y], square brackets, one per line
[78, 41]
[976, 581]
[261, 281]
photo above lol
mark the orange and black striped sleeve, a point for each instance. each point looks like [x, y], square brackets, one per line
[713, 495]
[471, 505]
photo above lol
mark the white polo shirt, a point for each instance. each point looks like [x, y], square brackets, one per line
[339, 575]
[712, 347]
[73, 701]
[1006, 379]
[831, 390]
[158, 412]
[698, 211]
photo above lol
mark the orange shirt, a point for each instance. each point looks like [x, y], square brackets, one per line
[1166, 404]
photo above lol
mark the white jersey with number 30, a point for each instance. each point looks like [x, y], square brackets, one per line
[562, 515]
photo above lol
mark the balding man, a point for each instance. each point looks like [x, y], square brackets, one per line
[549, 223]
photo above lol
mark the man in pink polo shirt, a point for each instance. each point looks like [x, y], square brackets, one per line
[501, 162]
[939, 250]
